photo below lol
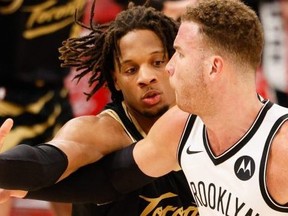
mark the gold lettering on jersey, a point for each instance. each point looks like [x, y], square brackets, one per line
[152, 208]
[47, 18]
[11, 8]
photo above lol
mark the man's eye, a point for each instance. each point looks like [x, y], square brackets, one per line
[159, 63]
[130, 70]
[180, 55]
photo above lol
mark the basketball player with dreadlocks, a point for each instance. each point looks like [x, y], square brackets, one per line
[130, 55]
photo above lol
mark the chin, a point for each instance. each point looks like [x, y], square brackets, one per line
[184, 106]
[156, 112]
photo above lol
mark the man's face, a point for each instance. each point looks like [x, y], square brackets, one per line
[187, 69]
[141, 75]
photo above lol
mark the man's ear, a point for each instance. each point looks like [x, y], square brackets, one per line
[216, 65]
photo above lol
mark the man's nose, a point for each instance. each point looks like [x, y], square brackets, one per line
[170, 67]
[147, 76]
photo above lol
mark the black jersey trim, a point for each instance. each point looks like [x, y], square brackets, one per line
[263, 167]
[118, 108]
[242, 142]
[187, 129]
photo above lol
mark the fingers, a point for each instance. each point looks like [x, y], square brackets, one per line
[5, 129]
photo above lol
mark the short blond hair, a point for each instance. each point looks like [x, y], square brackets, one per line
[231, 26]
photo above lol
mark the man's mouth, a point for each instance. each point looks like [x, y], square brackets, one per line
[151, 97]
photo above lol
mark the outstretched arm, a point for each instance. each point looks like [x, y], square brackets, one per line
[17, 167]
[99, 182]
[80, 142]
[125, 170]
[118, 173]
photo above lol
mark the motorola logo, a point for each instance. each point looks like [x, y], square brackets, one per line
[244, 168]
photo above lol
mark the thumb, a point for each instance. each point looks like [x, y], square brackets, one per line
[5, 129]
[4, 195]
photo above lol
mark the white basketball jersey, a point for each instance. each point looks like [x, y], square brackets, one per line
[232, 183]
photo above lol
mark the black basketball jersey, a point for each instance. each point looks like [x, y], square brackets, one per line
[167, 195]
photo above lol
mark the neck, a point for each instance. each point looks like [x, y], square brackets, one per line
[142, 122]
[238, 115]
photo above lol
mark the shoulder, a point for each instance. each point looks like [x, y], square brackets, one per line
[86, 139]
[86, 124]
[280, 142]
[277, 165]
[168, 129]
[160, 145]
[173, 120]
[89, 122]
[93, 133]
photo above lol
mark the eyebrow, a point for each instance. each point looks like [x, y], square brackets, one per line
[152, 53]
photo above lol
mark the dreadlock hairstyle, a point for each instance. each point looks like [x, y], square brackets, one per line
[96, 53]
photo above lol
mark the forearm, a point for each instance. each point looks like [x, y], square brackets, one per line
[88, 184]
[31, 167]
[100, 182]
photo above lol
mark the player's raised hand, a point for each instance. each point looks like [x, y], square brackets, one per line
[4, 130]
